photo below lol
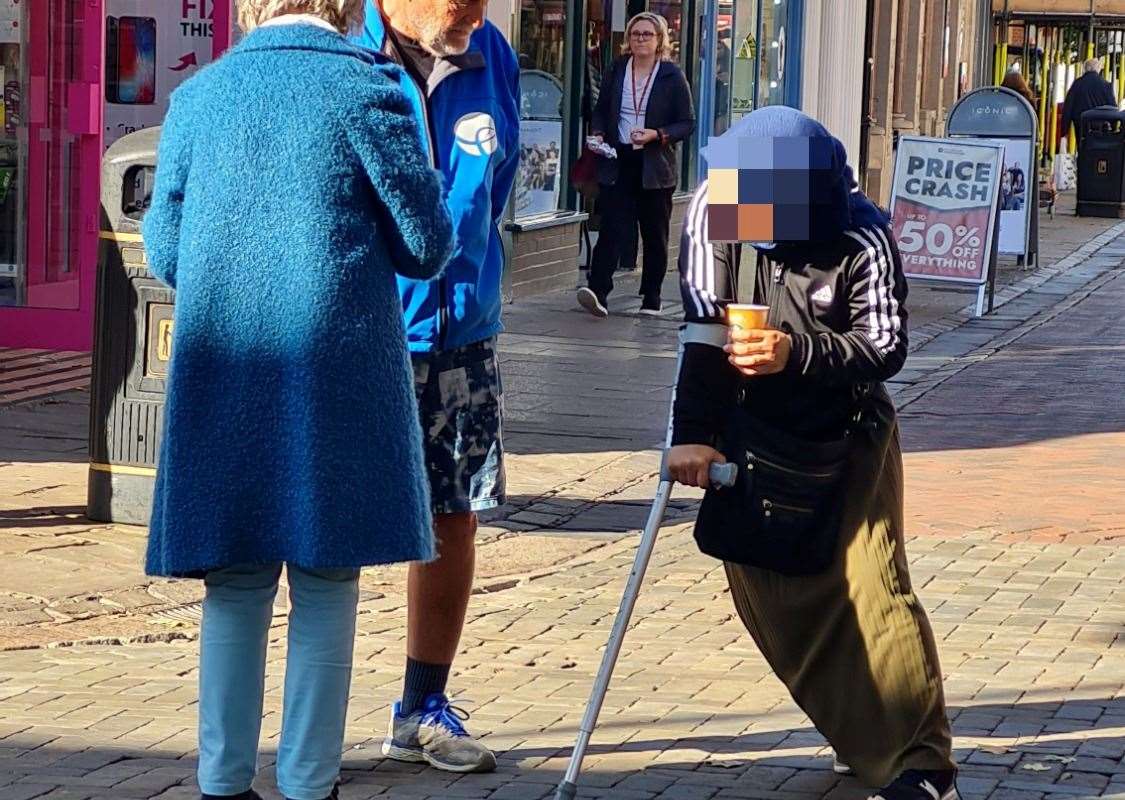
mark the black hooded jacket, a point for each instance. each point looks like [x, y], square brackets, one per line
[843, 304]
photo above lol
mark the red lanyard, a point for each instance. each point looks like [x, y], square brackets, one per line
[639, 102]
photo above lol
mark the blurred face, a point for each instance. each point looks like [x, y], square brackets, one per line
[442, 27]
[642, 39]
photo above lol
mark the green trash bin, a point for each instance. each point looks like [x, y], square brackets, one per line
[132, 342]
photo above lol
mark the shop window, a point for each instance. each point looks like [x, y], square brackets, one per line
[744, 58]
[673, 12]
[13, 157]
[542, 56]
[39, 184]
[736, 55]
[136, 87]
[777, 38]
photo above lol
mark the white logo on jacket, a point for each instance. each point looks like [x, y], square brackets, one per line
[823, 296]
[476, 134]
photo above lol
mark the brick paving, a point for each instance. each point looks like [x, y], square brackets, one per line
[34, 374]
[1013, 427]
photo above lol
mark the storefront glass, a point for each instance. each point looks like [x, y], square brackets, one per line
[745, 58]
[774, 61]
[75, 76]
[39, 158]
[673, 11]
[151, 48]
[13, 150]
[542, 56]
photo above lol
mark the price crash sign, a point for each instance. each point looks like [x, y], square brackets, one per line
[943, 207]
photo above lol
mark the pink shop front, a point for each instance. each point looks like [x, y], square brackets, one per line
[76, 76]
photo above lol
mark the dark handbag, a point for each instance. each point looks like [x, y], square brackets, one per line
[584, 174]
[784, 512]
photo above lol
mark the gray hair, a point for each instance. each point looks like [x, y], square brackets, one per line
[1094, 65]
[343, 15]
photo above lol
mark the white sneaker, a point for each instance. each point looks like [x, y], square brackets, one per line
[590, 301]
[434, 734]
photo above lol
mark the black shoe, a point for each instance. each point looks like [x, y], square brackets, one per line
[651, 307]
[917, 784]
[250, 794]
[592, 302]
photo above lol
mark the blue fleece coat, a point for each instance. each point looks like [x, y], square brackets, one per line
[291, 187]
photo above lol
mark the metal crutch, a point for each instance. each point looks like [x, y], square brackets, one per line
[722, 475]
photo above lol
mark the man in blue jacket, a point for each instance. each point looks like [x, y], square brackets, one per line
[463, 79]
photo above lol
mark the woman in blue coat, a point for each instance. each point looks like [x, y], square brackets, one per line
[292, 186]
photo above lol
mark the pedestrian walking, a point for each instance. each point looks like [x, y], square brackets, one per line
[463, 81]
[1014, 80]
[644, 110]
[812, 533]
[290, 434]
[1088, 92]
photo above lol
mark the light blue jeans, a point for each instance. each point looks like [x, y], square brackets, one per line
[237, 610]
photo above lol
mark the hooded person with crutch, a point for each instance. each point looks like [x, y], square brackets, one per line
[811, 533]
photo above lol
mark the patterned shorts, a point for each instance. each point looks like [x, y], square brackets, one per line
[460, 399]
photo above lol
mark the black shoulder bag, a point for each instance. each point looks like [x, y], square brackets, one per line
[785, 511]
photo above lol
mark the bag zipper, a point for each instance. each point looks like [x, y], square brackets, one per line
[751, 455]
[768, 506]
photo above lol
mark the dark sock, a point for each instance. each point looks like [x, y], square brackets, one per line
[422, 680]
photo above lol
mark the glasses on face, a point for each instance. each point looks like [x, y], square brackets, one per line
[643, 36]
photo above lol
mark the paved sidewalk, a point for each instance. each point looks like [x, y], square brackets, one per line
[1014, 428]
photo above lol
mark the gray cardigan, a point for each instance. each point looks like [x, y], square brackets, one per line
[670, 113]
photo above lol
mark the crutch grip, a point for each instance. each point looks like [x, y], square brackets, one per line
[724, 476]
[566, 791]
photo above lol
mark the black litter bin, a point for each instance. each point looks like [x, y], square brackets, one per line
[1101, 164]
[132, 342]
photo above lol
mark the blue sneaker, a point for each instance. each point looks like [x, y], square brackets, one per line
[435, 734]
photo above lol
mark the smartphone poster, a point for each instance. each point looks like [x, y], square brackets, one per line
[152, 46]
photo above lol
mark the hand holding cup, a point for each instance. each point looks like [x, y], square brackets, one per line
[752, 347]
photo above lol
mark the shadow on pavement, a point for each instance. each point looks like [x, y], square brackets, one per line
[1070, 757]
[42, 517]
[1063, 379]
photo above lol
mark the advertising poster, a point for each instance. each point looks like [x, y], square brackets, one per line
[10, 21]
[537, 188]
[1015, 194]
[943, 207]
[152, 46]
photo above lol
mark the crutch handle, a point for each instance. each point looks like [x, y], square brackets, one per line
[566, 791]
[723, 476]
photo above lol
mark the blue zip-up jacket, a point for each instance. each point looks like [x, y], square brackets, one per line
[470, 111]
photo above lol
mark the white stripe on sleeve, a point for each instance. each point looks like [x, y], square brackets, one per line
[884, 321]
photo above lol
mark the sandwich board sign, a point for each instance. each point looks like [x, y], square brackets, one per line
[944, 211]
[997, 114]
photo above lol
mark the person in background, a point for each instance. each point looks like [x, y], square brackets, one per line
[644, 110]
[1088, 92]
[291, 434]
[814, 555]
[627, 261]
[463, 83]
[1014, 80]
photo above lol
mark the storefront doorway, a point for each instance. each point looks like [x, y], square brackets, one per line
[76, 76]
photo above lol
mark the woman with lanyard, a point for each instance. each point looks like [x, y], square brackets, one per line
[643, 111]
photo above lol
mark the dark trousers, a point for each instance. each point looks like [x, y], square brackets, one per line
[626, 204]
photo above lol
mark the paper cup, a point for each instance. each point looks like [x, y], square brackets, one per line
[747, 316]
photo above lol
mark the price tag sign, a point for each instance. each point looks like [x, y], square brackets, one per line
[944, 207]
